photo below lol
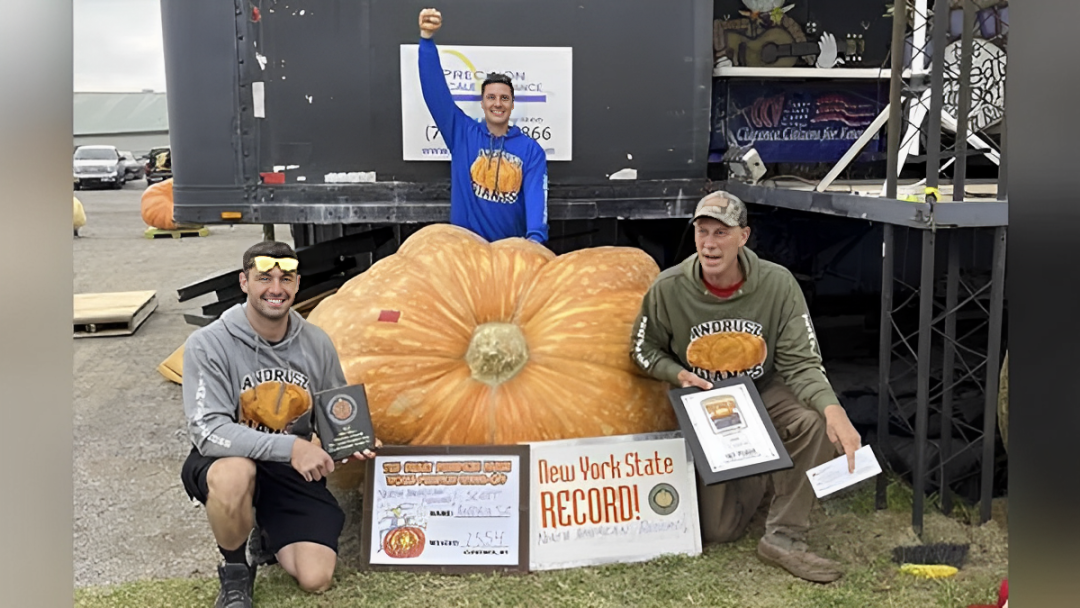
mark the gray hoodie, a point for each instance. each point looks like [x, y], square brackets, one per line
[245, 397]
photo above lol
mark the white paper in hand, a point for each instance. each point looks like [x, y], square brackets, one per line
[833, 475]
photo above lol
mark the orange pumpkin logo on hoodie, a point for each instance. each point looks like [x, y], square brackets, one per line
[273, 406]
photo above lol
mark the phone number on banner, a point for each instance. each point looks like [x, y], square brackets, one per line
[537, 132]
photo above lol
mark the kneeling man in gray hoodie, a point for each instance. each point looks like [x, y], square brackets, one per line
[249, 378]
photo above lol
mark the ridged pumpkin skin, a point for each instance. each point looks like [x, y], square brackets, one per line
[157, 206]
[496, 343]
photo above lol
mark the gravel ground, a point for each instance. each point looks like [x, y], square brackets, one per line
[132, 518]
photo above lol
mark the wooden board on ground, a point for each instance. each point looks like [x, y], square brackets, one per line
[158, 233]
[173, 367]
[112, 314]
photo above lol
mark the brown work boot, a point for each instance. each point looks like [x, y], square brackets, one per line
[795, 557]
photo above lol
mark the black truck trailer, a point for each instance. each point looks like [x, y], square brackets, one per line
[294, 112]
[268, 98]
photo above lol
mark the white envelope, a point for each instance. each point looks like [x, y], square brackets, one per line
[833, 475]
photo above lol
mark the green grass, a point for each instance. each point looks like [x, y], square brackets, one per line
[900, 498]
[730, 576]
[848, 529]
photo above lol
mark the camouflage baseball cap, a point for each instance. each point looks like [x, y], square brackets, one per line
[722, 206]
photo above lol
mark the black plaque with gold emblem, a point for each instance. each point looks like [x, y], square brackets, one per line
[343, 422]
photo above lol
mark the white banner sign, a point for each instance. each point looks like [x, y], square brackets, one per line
[446, 510]
[542, 79]
[613, 499]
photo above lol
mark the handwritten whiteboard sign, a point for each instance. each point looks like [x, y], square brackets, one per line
[612, 499]
[446, 508]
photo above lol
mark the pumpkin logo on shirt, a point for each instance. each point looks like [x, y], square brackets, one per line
[496, 176]
[273, 399]
[727, 348]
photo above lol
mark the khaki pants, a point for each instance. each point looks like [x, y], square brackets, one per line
[727, 508]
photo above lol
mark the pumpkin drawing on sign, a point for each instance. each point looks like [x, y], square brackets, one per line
[405, 542]
[461, 341]
[664, 498]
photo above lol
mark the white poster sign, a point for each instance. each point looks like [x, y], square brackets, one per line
[542, 78]
[613, 499]
[440, 510]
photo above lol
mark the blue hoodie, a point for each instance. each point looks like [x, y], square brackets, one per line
[513, 200]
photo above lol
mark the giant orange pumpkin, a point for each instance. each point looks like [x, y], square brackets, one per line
[461, 341]
[157, 206]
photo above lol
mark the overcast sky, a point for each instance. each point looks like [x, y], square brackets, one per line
[117, 45]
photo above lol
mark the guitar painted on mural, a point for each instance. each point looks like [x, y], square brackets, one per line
[776, 47]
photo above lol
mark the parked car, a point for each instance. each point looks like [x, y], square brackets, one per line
[158, 165]
[98, 165]
[133, 168]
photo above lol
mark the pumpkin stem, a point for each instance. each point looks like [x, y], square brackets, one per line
[497, 352]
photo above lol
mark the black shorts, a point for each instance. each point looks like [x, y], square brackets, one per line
[287, 508]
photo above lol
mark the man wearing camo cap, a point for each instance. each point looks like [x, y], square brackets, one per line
[724, 294]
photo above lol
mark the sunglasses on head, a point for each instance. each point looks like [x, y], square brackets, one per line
[264, 263]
